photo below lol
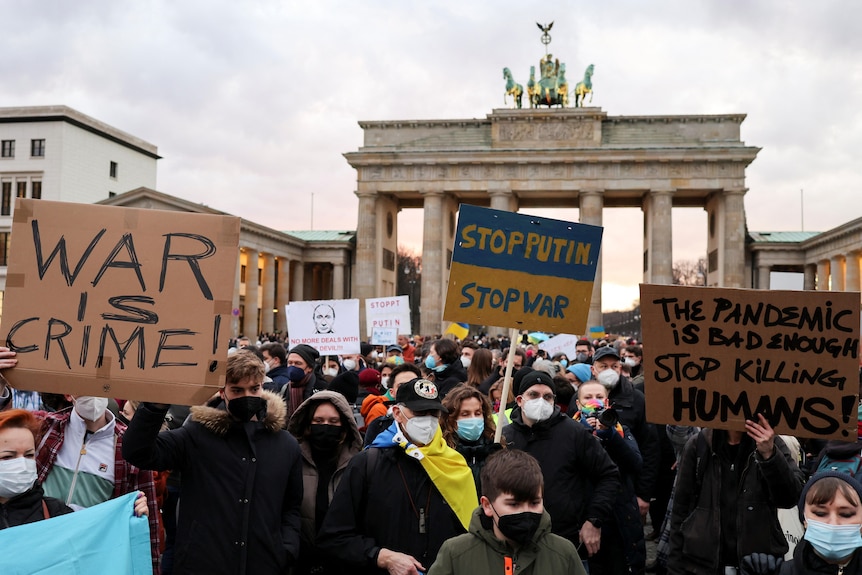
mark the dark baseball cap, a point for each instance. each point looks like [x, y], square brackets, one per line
[605, 351]
[419, 394]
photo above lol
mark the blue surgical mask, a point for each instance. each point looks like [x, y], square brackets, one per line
[295, 374]
[564, 362]
[471, 428]
[431, 363]
[833, 542]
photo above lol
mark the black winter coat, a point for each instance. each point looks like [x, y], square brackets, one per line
[279, 378]
[241, 490]
[374, 506]
[453, 375]
[581, 481]
[764, 485]
[805, 562]
[27, 508]
[630, 405]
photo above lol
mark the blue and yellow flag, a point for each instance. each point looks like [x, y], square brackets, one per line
[105, 538]
[459, 330]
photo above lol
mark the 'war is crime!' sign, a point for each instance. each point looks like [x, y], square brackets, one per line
[524, 271]
[718, 356]
[119, 302]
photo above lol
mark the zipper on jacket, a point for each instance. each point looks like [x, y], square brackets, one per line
[81, 454]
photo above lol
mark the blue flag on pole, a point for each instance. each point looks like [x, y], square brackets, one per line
[106, 538]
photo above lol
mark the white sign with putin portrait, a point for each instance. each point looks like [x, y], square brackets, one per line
[329, 326]
[385, 316]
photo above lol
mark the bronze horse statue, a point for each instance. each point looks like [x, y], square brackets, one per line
[512, 88]
[584, 87]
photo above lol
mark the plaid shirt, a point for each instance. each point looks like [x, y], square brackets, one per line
[127, 477]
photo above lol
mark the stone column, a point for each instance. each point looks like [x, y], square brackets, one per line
[763, 273]
[810, 277]
[249, 324]
[298, 273]
[734, 238]
[234, 318]
[501, 199]
[282, 294]
[851, 272]
[267, 303]
[366, 283]
[837, 272]
[658, 225]
[337, 281]
[590, 210]
[823, 275]
[432, 263]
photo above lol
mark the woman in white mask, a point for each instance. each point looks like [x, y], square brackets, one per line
[22, 500]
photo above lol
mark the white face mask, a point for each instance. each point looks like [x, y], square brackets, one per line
[465, 361]
[384, 381]
[349, 364]
[267, 365]
[630, 361]
[537, 409]
[330, 372]
[609, 378]
[422, 428]
[91, 408]
[16, 476]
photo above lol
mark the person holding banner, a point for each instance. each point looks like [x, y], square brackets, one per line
[729, 486]
[241, 472]
[581, 481]
[22, 499]
[401, 498]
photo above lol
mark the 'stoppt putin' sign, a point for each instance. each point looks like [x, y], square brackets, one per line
[119, 302]
[718, 356]
[522, 271]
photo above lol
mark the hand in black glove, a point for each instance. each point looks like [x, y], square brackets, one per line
[760, 564]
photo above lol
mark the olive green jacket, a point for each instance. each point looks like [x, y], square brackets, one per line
[479, 552]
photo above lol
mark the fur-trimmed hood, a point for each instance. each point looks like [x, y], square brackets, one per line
[218, 421]
[301, 418]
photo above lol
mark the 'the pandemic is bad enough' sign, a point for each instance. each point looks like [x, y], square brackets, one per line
[119, 302]
[718, 356]
[524, 271]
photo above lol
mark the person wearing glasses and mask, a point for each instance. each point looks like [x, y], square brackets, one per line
[401, 498]
[581, 480]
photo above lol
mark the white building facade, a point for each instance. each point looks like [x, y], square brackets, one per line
[57, 153]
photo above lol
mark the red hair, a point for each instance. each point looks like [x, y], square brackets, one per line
[22, 419]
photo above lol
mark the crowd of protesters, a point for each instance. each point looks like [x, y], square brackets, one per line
[385, 461]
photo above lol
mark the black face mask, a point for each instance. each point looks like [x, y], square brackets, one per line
[519, 527]
[325, 437]
[245, 407]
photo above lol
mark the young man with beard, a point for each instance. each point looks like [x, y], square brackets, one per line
[242, 475]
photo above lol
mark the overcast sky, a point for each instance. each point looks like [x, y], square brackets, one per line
[253, 103]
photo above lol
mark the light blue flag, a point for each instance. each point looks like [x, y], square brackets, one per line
[106, 538]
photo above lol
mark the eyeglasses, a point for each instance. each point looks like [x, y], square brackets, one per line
[549, 397]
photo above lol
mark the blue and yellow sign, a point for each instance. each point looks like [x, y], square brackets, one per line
[521, 271]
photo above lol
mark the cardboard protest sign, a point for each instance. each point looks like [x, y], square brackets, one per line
[521, 271]
[718, 356]
[561, 343]
[385, 316]
[329, 326]
[119, 302]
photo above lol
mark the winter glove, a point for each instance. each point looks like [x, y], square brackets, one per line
[760, 564]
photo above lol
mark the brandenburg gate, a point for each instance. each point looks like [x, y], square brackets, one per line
[549, 158]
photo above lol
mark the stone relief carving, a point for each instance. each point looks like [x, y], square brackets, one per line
[562, 131]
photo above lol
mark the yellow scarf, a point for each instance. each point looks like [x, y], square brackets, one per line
[448, 471]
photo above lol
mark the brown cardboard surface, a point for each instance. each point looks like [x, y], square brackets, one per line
[126, 303]
[715, 357]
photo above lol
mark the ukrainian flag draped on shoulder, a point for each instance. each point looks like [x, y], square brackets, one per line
[105, 538]
[445, 467]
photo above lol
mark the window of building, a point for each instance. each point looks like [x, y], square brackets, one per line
[37, 148]
[4, 248]
[7, 149]
[242, 274]
[113, 170]
[112, 194]
[36, 190]
[6, 199]
[22, 189]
